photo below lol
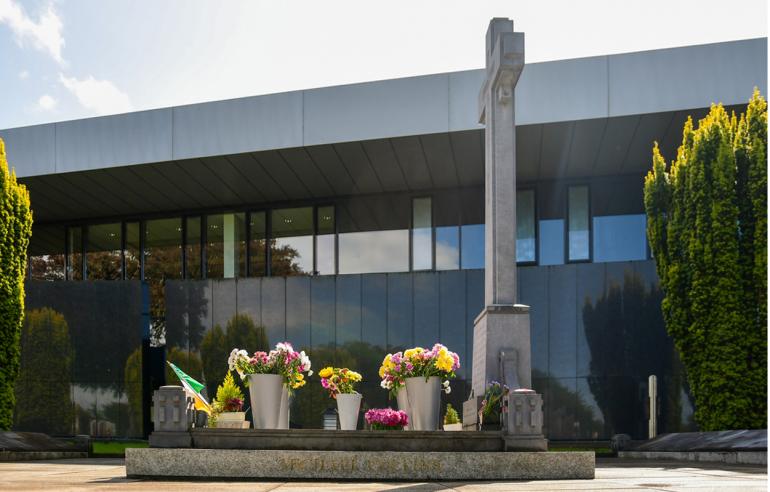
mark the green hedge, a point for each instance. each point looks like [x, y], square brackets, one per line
[15, 231]
[707, 227]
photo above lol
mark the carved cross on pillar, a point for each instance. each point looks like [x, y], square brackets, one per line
[505, 61]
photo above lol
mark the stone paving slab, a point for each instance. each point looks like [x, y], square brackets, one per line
[611, 475]
[363, 465]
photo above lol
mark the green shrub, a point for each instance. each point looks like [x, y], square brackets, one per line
[707, 227]
[15, 231]
[229, 396]
[451, 417]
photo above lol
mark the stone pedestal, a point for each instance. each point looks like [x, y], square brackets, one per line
[524, 422]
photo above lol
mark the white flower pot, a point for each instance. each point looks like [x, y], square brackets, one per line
[348, 405]
[453, 427]
[424, 402]
[265, 391]
[403, 404]
[283, 416]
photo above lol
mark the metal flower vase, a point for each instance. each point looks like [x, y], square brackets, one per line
[403, 404]
[348, 406]
[265, 392]
[424, 402]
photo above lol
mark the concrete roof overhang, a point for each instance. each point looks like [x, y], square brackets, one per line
[575, 118]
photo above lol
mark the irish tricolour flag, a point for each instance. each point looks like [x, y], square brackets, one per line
[193, 387]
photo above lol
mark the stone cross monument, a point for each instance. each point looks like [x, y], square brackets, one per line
[501, 339]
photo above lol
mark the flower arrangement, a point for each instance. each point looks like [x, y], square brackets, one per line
[283, 360]
[492, 404]
[339, 380]
[229, 396]
[386, 419]
[416, 362]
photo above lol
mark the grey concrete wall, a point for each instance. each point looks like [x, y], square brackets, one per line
[564, 90]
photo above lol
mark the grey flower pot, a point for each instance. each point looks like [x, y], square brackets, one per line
[403, 405]
[265, 391]
[424, 402]
[283, 416]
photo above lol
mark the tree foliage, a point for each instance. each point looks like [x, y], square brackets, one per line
[15, 231]
[707, 227]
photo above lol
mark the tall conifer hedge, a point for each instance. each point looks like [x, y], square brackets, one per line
[707, 227]
[15, 231]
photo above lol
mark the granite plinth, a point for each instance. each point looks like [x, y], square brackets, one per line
[331, 440]
[357, 465]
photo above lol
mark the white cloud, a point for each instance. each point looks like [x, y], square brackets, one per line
[45, 33]
[46, 102]
[99, 96]
[23, 74]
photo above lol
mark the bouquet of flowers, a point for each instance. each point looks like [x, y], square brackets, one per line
[492, 404]
[415, 362]
[283, 360]
[339, 380]
[386, 419]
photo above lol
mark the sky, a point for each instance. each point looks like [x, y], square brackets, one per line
[68, 59]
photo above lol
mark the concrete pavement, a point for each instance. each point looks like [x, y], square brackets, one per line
[611, 474]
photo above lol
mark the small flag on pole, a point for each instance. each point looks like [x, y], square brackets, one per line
[193, 387]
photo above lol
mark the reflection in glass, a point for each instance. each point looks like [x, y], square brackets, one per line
[163, 249]
[551, 242]
[226, 245]
[75, 253]
[325, 264]
[472, 250]
[46, 253]
[257, 241]
[374, 251]
[422, 250]
[103, 252]
[578, 223]
[447, 248]
[291, 246]
[133, 251]
[192, 246]
[620, 238]
[525, 226]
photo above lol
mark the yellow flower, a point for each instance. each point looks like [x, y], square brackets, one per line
[300, 377]
[409, 354]
[444, 361]
[354, 376]
[326, 372]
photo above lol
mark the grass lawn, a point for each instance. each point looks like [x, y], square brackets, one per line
[115, 448]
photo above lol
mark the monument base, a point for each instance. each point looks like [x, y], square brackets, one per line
[357, 465]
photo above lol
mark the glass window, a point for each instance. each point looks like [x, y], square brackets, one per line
[133, 251]
[422, 230]
[447, 248]
[551, 242]
[325, 263]
[291, 243]
[103, 252]
[163, 249]
[374, 251]
[472, 246]
[373, 234]
[257, 241]
[525, 226]
[46, 253]
[226, 245]
[577, 205]
[620, 238]
[192, 246]
[75, 253]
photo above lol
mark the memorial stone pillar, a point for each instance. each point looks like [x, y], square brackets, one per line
[501, 338]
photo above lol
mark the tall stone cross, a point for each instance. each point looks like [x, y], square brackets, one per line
[501, 339]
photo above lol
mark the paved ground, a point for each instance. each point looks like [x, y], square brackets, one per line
[109, 474]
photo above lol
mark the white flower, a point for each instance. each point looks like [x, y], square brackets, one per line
[447, 390]
[385, 384]
[305, 361]
[231, 361]
[445, 383]
[284, 347]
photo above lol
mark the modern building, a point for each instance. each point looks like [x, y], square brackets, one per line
[349, 220]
